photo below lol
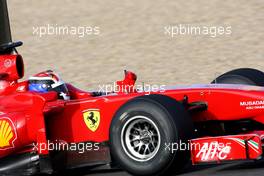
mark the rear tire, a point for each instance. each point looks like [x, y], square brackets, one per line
[154, 122]
[247, 76]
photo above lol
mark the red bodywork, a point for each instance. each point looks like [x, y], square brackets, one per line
[34, 118]
[226, 148]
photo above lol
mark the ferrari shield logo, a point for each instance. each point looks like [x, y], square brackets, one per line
[92, 119]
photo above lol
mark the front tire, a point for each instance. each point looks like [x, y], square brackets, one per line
[142, 130]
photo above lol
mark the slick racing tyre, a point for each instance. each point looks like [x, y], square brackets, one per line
[247, 76]
[143, 132]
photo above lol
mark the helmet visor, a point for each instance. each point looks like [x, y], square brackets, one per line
[40, 86]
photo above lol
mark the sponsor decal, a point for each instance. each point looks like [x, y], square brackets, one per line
[224, 148]
[250, 103]
[7, 133]
[7, 63]
[21, 88]
[257, 104]
[91, 118]
[212, 150]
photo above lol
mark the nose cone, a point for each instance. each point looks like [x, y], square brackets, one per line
[5, 33]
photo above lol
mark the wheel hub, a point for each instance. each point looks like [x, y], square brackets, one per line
[140, 138]
[146, 136]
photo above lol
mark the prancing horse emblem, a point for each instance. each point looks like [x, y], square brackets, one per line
[92, 119]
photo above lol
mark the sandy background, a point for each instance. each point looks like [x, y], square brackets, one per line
[132, 37]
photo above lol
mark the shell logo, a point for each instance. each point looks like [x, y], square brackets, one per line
[7, 134]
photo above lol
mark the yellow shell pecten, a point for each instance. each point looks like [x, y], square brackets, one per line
[6, 133]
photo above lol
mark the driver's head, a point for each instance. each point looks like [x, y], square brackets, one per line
[48, 81]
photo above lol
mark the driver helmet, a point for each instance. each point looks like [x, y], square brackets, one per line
[48, 81]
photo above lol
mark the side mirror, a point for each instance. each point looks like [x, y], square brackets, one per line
[127, 85]
[11, 67]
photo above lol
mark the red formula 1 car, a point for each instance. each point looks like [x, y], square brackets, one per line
[142, 134]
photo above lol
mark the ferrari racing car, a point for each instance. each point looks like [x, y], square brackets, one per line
[50, 126]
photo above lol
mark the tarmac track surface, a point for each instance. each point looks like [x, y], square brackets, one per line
[245, 168]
